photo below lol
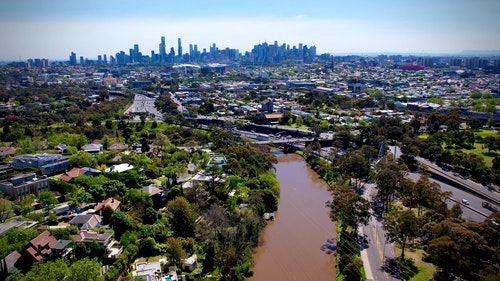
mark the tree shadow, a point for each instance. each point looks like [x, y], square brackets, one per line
[330, 247]
[391, 266]
[408, 268]
[363, 242]
[378, 210]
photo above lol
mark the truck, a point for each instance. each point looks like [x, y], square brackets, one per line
[489, 206]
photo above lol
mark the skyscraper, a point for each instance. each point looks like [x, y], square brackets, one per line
[72, 59]
[163, 52]
[179, 48]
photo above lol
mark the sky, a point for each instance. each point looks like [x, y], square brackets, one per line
[53, 29]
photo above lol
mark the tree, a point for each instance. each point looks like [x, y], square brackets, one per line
[26, 204]
[349, 207]
[175, 252]
[114, 188]
[491, 142]
[81, 159]
[6, 209]
[400, 227]
[85, 270]
[215, 174]
[355, 165]
[388, 176]
[121, 223]
[46, 271]
[48, 199]
[147, 247]
[182, 217]
[474, 123]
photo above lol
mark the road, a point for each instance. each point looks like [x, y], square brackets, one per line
[461, 188]
[144, 104]
[378, 256]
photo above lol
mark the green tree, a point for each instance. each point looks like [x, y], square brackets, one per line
[400, 227]
[48, 271]
[355, 165]
[175, 252]
[81, 159]
[48, 199]
[85, 270]
[26, 204]
[349, 207]
[182, 217]
[6, 209]
[147, 247]
[121, 223]
[491, 142]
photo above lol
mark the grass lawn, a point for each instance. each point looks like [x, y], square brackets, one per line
[478, 150]
[423, 136]
[485, 133]
[425, 270]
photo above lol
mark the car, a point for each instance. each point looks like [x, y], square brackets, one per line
[465, 201]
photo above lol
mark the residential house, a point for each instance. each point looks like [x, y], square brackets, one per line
[86, 222]
[190, 263]
[158, 196]
[61, 148]
[4, 227]
[39, 248]
[86, 236]
[93, 148]
[149, 271]
[61, 248]
[18, 187]
[119, 168]
[7, 151]
[77, 172]
[118, 146]
[105, 240]
[113, 203]
[8, 264]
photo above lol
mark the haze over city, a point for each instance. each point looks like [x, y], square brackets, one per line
[52, 29]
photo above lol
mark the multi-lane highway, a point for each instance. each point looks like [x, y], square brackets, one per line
[461, 188]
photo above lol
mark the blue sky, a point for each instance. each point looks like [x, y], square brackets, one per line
[54, 28]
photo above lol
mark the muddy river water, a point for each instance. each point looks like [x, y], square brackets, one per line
[299, 244]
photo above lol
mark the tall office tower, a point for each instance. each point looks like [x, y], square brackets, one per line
[131, 55]
[137, 55]
[179, 48]
[191, 54]
[163, 52]
[72, 59]
[171, 55]
[99, 59]
[105, 58]
[81, 60]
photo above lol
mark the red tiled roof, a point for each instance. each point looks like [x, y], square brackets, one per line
[39, 247]
[73, 173]
[113, 203]
[7, 150]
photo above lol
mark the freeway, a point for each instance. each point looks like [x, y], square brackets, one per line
[144, 104]
[461, 188]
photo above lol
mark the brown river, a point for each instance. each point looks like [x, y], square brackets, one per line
[299, 244]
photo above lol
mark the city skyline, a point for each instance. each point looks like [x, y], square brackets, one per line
[55, 28]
